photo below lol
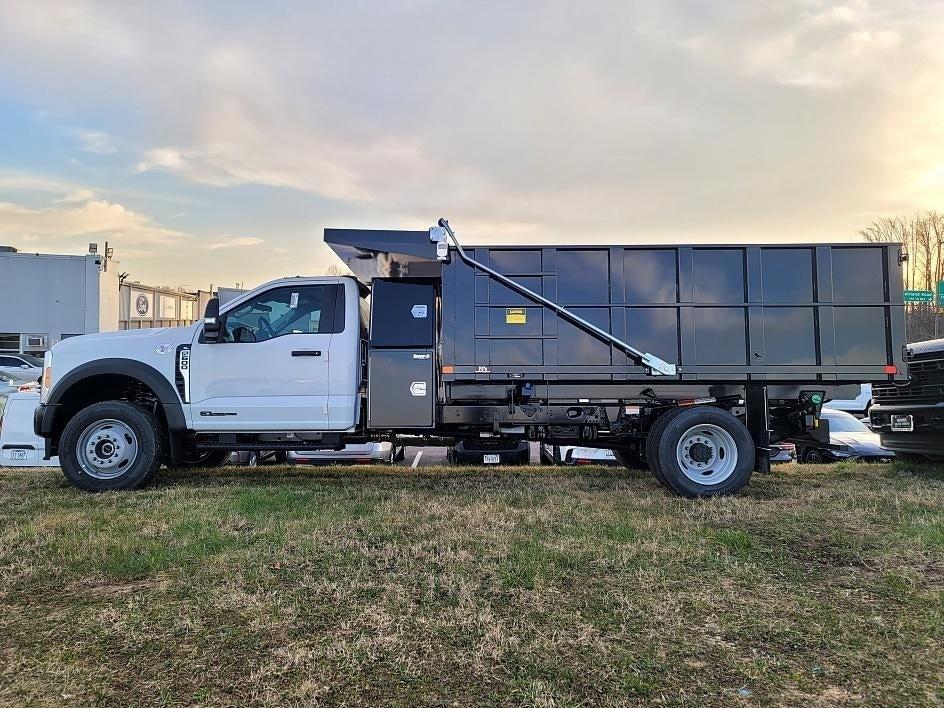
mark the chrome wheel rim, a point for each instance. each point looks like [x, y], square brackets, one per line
[106, 449]
[707, 454]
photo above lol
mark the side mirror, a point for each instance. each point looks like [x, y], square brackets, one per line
[25, 366]
[211, 321]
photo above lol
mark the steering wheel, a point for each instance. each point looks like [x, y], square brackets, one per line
[264, 325]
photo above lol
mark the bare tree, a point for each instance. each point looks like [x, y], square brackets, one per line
[921, 237]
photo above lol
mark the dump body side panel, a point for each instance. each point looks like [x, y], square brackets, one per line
[812, 313]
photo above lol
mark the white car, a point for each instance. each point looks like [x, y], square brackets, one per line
[362, 454]
[858, 406]
[19, 445]
[21, 365]
[572, 455]
[11, 383]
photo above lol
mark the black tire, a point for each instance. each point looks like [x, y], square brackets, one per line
[814, 457]
[630, 460]
[202, 458]
[555, 458]
[652, 444]
[730, 436]
[148, 438]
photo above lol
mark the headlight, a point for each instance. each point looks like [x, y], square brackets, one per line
[46, 382]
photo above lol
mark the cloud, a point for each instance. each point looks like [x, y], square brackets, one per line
[233, 242]
[531, 121]
[95, 141]
[77, 196]
[812, 45]
[91, 217]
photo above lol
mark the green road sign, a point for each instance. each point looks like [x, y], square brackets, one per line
[919, 296]
[940, 293]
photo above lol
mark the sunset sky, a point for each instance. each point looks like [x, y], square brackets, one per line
[212, 142]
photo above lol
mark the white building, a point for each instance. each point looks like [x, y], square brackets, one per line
[45, 298]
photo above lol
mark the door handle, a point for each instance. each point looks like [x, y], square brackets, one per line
[306, 352]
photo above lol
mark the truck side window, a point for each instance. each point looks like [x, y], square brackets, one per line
[306, 309]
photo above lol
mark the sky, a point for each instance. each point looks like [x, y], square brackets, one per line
[212, 142]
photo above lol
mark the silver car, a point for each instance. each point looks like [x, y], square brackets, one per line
[21, 365]
[11, 383]
[351, 454]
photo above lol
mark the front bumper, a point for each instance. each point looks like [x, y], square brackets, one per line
[43, 419]
[927, 438]
[518, 455]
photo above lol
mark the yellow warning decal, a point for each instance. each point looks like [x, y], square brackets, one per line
[516, 315]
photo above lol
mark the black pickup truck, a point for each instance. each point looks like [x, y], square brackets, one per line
[909, 417]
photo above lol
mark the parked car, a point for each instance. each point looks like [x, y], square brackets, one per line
[783, 452]
[852, 437]
[574, 455]
[25, 365]
[19, 445]
[858, 406]
[360, 454]
[489, 452]
[253, 458]
[12, 383]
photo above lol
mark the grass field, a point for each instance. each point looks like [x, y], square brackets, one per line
[536, 586]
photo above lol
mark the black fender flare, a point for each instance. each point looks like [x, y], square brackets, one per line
[146, 374]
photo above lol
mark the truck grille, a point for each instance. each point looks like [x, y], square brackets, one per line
[926, 384]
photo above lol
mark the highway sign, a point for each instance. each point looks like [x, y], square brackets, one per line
[919, 296]
[940, 293]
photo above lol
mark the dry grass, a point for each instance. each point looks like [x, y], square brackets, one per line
[545, 587]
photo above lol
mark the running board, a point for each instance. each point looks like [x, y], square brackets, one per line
[441, 236]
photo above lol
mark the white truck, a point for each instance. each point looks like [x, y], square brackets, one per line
[435, 344]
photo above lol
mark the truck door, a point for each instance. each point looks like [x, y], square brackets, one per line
[269, 371]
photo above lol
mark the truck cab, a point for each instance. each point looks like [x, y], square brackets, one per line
[285, 359]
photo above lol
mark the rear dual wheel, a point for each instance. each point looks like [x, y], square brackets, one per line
[700, 451]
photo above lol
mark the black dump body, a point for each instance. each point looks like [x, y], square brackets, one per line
[797, 315]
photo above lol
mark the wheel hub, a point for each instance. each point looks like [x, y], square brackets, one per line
[106, 449]
[700, 452]
[707, 454]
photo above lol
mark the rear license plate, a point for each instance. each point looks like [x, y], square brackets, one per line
[17, 454]
[491, 459]
[902, 423]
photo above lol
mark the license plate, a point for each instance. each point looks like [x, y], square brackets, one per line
[902, 423]
[18, 454]
[491, 459]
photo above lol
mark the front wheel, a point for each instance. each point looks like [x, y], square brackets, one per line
[112, 445]
[814, 457]
[704, 451]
